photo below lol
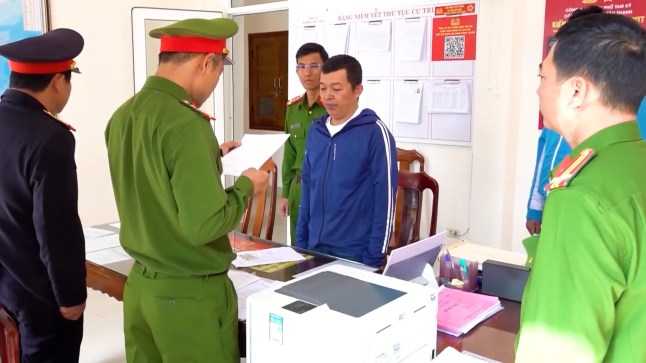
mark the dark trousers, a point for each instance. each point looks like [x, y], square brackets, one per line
[339, 252]
[45, 336]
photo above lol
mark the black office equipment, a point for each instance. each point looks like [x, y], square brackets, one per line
[504, 280]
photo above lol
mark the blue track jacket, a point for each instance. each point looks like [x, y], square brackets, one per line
[641, 118]
[552, 148]
[349, 184]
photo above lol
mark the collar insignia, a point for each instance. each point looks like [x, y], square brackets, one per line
[194, 107]
[69, 127]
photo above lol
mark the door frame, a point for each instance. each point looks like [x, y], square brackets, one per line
[254, 94]
[228, 71]
[138, 17]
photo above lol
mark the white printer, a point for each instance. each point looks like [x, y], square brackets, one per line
[342, 314]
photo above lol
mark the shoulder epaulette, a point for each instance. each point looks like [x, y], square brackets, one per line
[69, 127]
[294, 100]
[194, 107]
[568, 169]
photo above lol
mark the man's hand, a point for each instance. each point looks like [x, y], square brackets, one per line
[283, 208]
[228, 146]
[259, 178]
[72, 313]
[533, 227]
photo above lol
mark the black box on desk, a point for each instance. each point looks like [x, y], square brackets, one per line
[504, 280]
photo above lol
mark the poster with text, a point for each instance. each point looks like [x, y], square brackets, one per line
[454, 38]
[557, 12]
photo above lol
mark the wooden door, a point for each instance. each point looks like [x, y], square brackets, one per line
[267, 80]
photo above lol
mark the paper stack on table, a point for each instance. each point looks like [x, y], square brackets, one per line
[247, 284]
[266, 256]
[459, 311]
[475, 252]
[450, 355]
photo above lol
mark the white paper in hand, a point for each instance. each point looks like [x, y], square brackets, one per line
[252, 153]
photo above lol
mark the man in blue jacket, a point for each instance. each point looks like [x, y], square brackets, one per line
[349, 177]
[552, 148]
[641, 118]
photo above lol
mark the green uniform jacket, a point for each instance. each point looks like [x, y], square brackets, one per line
[298, 119]
[165, 167]
[585, 300]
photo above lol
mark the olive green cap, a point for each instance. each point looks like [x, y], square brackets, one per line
[197, 36]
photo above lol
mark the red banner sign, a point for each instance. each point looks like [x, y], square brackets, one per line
[451, 10]
[557, 13]
[454, 38]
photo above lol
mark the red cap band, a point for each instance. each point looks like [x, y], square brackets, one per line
[41, 68]
[192, 45]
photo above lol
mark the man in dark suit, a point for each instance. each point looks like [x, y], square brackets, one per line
[42, 249]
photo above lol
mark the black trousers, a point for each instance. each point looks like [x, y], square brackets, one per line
[45, 336]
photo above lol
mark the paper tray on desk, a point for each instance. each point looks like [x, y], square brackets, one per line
[460, 311]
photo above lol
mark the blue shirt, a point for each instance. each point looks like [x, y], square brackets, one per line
[552, 148]
[641, 118]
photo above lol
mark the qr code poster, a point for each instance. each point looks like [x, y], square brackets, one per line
[454, 38]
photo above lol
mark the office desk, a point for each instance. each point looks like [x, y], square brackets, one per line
[494, 338]
[111, 278]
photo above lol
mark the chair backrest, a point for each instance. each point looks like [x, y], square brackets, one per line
[10, 339]
[257, 205]
[411, 188]
[406, 160]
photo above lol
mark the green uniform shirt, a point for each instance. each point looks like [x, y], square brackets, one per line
[298, 119]
[165, 167]
[585, 300]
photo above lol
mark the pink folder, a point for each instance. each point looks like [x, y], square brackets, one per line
[459, 311]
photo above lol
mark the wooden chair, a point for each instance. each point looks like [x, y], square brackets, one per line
[10, 339]
[410, 191]
[406, 160]
[257, 205]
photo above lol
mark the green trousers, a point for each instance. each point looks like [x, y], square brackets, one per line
[294, 206]
[180, 320]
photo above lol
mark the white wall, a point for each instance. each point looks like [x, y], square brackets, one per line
[483, 189]
[106, 82]
[486, 198]
[250, 24]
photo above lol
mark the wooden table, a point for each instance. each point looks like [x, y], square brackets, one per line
[494, 338]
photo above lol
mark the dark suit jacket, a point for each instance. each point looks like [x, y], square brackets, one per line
[42, 248]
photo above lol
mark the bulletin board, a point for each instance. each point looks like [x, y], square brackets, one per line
[418, 64]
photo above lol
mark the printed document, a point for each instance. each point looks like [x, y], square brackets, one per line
[266, 256]
[252, 153]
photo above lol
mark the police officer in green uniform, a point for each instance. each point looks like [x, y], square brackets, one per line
[584, 300]
[300, 113]
[179, 304]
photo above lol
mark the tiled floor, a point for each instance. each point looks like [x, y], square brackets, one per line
[103, 331]
[103, 340]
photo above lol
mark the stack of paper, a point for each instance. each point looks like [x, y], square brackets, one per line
[247, 284]
[475, 252]
[450, 355]
[267, 256]
[459, 311]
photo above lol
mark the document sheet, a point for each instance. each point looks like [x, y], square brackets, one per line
[267, 256]
[252, 153]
